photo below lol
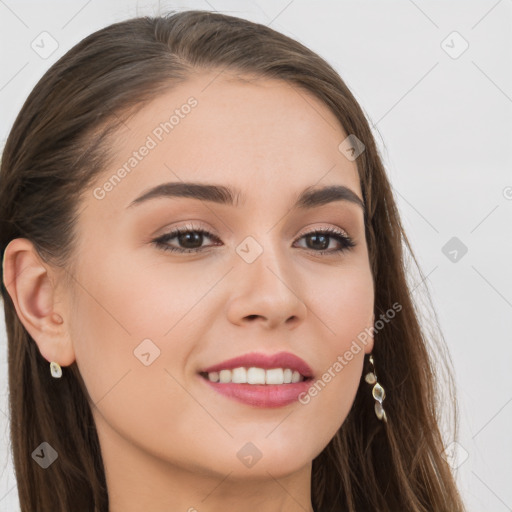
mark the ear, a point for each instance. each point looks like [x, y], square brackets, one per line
[28, 281]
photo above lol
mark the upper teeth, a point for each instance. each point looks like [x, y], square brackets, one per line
[256, 376]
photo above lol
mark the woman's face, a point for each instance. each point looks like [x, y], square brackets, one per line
[146, 321]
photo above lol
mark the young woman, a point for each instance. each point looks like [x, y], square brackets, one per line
[204, 285]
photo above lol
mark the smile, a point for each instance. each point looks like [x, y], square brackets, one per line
[255, 375]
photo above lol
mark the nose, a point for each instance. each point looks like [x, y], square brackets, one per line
[266, 291]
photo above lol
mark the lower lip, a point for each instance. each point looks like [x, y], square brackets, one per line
[261, 395]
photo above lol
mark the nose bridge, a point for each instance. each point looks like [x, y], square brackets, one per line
[266, 257]
[266, 286]
[266, 283]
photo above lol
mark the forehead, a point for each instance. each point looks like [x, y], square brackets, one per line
[263, 137]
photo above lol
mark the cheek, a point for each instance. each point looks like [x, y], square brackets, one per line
[344, 307]
[120, 324]
[116, 309]
[133, 321]
[343, 302]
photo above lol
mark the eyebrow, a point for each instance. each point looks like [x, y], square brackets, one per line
[309, 198]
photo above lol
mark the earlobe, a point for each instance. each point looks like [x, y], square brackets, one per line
[28, 283]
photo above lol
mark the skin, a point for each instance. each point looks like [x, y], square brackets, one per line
[168, 441]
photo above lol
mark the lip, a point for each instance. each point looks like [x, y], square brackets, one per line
[267, 362]
[261, 395]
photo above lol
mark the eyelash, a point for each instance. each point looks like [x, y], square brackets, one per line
[161, 242]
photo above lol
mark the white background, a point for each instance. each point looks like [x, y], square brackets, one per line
[444, 128]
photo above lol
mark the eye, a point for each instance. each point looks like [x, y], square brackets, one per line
[320, 239]
[191, 239]
[189, 236]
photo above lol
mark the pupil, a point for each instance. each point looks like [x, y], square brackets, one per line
[323, 244]
[185, 238]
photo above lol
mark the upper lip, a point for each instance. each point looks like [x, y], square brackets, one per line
[266, 361]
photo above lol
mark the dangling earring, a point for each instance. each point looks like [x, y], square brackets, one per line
[378, 392]
[55, 370]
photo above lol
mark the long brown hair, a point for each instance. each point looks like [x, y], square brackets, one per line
[59, 143]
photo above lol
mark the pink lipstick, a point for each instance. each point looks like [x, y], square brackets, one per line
[260, 380]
